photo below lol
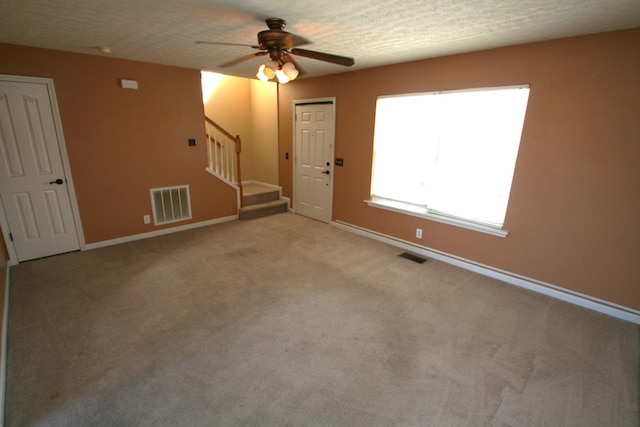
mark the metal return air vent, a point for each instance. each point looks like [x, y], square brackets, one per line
[170, 204]
[412, 257]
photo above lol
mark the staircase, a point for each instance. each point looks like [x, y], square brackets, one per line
[223, 151]
[259, 201]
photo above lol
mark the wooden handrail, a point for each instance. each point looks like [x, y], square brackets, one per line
[220, 128]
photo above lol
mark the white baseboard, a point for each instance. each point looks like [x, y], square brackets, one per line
[156, 233]
[586, 301]
[289, 208]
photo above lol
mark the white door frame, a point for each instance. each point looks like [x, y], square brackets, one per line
[4, 224]
[296, 102]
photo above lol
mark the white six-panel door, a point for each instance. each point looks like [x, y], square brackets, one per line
[33, 186]
[314, 130]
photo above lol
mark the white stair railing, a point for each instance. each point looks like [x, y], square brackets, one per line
[223, 152]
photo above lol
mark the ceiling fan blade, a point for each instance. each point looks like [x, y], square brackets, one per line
[227, 44]
[299, 41]
[327, 57]
[242, 59]
[289, 41]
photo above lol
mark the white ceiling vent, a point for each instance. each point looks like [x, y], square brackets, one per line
[170, 204]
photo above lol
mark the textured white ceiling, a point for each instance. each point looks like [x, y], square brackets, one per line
[374, 33]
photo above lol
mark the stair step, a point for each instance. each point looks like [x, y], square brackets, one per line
[260, 197]
[260, 210]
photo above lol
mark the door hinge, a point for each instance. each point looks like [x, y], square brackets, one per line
[11, 237]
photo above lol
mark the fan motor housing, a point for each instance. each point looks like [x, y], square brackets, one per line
[275, 38]
[271, 39]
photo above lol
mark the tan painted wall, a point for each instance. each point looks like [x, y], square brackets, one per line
[123, 142]
[574, 211]
[248, 108]
[264, 124]
[229, 105]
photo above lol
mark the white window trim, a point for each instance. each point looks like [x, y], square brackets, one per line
[424, 213]
[444, 92]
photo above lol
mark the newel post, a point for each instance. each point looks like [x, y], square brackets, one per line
[238, 150]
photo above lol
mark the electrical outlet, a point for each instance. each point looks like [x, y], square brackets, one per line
[419, 233]
[147, 219]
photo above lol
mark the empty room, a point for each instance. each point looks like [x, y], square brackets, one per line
[320, 213]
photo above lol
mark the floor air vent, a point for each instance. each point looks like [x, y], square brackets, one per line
[413, 258]
[170, 204]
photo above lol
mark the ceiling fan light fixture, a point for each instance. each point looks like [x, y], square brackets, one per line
[270, 69]
[282, 77]
[283, 72]
[261, 75]
[290, 70]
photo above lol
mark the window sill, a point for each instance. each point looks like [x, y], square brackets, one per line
[423, 213]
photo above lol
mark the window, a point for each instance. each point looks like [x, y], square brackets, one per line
[449, 156]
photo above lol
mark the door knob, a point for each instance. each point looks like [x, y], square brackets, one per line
[327, 172]
[58, 181]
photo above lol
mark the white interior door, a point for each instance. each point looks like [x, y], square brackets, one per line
[33, 186]
[314, 141]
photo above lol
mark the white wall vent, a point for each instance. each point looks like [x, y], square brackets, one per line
[170, 204]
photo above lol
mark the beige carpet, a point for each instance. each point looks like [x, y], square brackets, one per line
[284, 321]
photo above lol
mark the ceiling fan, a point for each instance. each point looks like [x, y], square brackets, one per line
[280, 45]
